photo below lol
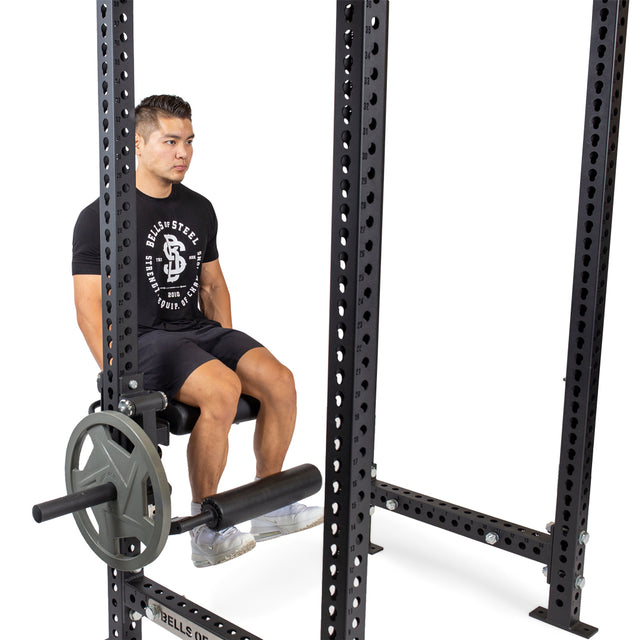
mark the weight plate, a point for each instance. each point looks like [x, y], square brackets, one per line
[130, 532]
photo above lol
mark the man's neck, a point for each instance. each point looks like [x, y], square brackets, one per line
[153, 186]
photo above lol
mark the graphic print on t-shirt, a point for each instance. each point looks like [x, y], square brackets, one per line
[176, 265]
[172, 263]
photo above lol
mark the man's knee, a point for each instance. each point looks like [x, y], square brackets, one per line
[282, 385]
[267, 379]
[218, 398]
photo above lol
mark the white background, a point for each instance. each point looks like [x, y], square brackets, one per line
[484, 134]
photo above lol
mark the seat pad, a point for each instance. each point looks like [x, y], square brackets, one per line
[182, 417]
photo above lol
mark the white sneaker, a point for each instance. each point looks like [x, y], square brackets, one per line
[290, 519]
[210, 547]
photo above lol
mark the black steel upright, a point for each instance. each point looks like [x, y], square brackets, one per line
[360, 97]
[117, 200]
[569, 533]
[118, 243]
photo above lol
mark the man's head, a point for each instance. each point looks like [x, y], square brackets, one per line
[164, 137]
[153, 107]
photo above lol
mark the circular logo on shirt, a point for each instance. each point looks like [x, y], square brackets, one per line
[172, 263]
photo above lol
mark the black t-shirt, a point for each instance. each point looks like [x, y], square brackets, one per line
[175, 236]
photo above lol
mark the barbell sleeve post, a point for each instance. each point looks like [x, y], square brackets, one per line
[74, 502]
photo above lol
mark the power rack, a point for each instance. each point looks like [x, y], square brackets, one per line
[352, 487]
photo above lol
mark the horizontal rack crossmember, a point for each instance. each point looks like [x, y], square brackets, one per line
[141, 591]
[496, 532]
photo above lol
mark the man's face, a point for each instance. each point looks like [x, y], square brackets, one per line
[167, 152]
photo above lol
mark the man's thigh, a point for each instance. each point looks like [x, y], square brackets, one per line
[168, 358]
[258, 369]
[212, 383]
[227, 345]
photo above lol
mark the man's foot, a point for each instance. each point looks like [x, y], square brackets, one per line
[210, 547]
[290, 519]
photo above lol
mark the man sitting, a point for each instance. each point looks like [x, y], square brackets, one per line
[187, 346]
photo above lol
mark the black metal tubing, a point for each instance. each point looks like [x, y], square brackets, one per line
[140, 590]
[118, 242]
[602, 120]
[121, 624]
[481, 527]
[182, 525]
[359, 133]
[137, 404]
[74, 502]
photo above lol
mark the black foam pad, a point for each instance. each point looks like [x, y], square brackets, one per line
[264, 495]
[182, 417]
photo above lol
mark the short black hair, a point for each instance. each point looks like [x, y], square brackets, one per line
[148, 111]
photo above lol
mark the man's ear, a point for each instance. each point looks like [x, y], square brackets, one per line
[139, 141]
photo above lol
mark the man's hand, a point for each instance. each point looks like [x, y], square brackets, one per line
[215, 301]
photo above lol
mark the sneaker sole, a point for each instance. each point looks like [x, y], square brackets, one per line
[202, 561]
[261, 536]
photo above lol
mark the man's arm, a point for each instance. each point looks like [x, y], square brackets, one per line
[88, 299]
[215, 301]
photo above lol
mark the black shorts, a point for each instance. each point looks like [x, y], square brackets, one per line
[168, 358]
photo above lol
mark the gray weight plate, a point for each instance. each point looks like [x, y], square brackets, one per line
[96, 454]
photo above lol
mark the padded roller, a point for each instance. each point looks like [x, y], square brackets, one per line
[262, 496]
